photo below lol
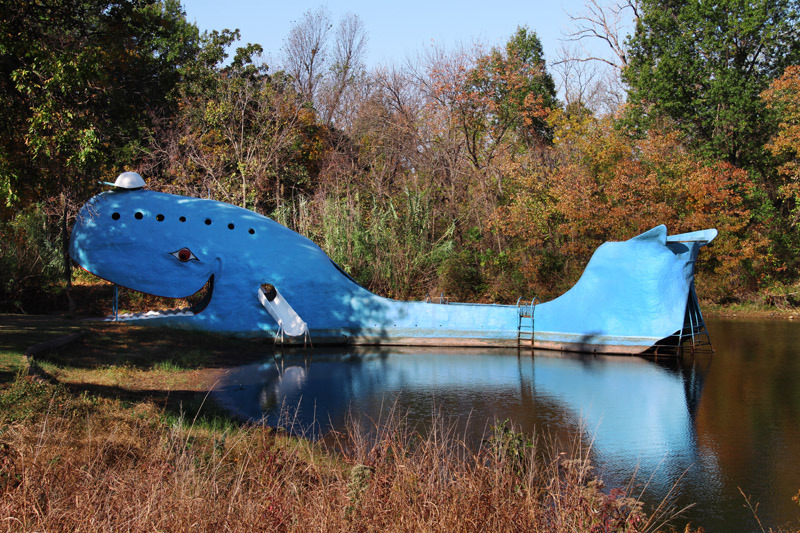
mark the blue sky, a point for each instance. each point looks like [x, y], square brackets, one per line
[396, 30]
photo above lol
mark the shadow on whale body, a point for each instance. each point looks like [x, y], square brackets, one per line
[631, 295]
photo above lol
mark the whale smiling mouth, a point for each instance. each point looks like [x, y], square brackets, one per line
[197, 304]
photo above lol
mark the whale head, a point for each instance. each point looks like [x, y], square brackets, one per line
[175, 247]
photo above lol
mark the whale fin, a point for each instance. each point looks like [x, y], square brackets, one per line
[659, 234]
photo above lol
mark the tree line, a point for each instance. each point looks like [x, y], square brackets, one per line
[458, 171]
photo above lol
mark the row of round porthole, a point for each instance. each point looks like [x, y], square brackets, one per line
[139, 216]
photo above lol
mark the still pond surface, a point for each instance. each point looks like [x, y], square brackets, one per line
[703, 426]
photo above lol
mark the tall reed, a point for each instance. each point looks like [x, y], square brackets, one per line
[394, 246]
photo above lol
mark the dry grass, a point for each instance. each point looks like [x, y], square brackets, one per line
[75, 462]
[121, 458]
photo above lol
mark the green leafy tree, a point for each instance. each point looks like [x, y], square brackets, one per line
[81, 82]
[703, 65]
[519, 88]
[507, 91]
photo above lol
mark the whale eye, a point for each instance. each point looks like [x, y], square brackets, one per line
[184, 255]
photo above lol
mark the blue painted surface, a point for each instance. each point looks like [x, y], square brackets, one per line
[632, 293]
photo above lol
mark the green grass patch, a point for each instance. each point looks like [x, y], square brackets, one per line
[185, 360]
[19, 332]
[123, 355]
[27, 400]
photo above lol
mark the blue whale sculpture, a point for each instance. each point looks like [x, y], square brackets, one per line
[632, 295]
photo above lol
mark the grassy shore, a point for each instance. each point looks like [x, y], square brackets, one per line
[750, 310]
[121, 435]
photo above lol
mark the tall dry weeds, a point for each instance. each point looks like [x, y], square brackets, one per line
[80, 463]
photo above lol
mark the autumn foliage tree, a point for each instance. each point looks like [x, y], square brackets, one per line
[608, 185]
[783, 97]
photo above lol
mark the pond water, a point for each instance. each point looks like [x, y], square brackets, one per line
[703, 426]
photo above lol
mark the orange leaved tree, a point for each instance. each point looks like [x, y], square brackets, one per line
[605, 184]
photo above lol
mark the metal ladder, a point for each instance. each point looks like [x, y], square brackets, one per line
[525, 320]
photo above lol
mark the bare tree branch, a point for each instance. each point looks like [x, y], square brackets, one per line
[585, 83]
[597, 85]
[348, 63]
[306, 51]
[606, 22]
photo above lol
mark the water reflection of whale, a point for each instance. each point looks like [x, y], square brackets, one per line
[635, 412]
[692, 370]
[283, 383]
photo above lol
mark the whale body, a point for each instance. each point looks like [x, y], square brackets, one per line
[632, 295]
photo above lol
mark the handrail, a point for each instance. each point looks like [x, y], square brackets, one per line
[442, 299]
[526, 305]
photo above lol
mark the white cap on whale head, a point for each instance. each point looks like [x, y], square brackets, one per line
[127, 180]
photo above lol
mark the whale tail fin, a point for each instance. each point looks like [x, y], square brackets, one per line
[686, 247]
[632, 295]
[659, 234]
